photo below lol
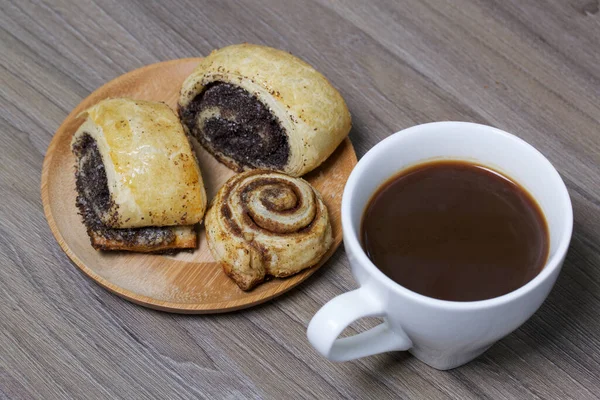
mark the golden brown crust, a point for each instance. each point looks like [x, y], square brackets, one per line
[311, 111]
[185, 238]
[152, 173]
[265, 223]
[244, 281]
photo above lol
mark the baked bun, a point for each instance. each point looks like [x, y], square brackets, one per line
[257, 107]
[138, 182]
[265, 223]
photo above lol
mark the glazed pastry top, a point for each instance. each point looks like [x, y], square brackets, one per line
[152, 173]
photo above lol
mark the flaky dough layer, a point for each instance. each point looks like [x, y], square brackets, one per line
[184, 238]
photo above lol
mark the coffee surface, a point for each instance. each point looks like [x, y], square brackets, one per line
[455, 231]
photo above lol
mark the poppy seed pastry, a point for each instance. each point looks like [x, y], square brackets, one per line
[138, 183]
[264, 223]
[253, 106]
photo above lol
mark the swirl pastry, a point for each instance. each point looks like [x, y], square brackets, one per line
[139, 186]
[253, 106]
[267, 223]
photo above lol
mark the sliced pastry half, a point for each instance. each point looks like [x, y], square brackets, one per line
[254, 106]
[138, 182]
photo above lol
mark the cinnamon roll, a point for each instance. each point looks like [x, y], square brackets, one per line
[138, 183]
[264, 223]
[253, 106]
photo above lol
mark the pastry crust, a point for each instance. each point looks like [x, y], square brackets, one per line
[153, 176]
[184, 238]
[265, 223]
[310, 110]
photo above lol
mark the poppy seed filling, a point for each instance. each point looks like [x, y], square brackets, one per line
[228, 120]
[93, 197]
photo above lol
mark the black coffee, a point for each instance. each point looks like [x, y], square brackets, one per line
[455, 231]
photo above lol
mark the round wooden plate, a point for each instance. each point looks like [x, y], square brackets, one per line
[189, 282]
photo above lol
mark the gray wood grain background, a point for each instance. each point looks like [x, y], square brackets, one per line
[530, 67]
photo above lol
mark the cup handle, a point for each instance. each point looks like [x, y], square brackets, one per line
[341, 311]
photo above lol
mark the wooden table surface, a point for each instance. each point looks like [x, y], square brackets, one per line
[529, 67]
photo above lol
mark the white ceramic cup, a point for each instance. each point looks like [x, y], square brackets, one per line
[443, 334]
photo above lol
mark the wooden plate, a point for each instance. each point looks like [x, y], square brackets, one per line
[189, 282]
